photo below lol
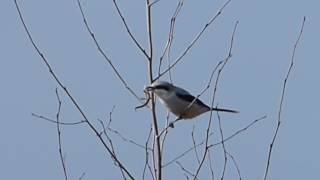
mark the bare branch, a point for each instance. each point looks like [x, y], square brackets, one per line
[223, 147]
[74, 102]
[215, 144]
[210, 164]
[184, 169]
[167, 48]
[54, 121]
[105, 55]
[82, 176]
[194, 145]
[213, 98]
[195, 39]
[59, 137]
[129, 31]
[147, 165]
[282, 99]
[158, 168]
[239, 131]
[235, 164]
[104, 131]
[153, 3]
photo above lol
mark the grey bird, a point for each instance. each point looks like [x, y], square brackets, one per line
[180, 102]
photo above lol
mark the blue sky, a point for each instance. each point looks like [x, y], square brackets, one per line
[250, 83]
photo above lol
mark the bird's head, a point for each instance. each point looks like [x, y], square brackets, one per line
[162, 89]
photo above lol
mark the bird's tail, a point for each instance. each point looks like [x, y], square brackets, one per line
[224, 110]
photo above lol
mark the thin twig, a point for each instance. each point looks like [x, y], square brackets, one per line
[104, 131]
[59, 136]
[105, 55]
[215, 144]
[167, 48]
[153, 3]
[129, 31]
[194, 145]
[147, 165]
[74, 102]
[195, 39]
[210, 164]
[184, 169]
[236, 165]
[55, 122]
[166, 132]
[223, 147]
[127, 139]
[213, 98]
[82, 176]
[282, 99]
[239, 131]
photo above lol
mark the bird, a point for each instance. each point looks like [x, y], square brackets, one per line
[180, 102]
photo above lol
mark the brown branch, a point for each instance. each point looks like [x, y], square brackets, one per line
[129, 31]
[282, 99]
[215, 144]
[158, 168]
[74, 102]
[213, 98]
[195, 39]
[59, 136]
[105, 55]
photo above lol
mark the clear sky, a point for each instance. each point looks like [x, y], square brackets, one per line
[251, 83]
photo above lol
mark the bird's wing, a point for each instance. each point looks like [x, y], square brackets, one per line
[189, 98]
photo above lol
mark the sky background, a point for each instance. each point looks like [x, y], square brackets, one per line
[250, 83]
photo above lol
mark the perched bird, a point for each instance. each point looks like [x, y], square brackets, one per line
[179, 101]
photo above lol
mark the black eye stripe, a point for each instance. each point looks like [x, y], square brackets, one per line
[162, 87]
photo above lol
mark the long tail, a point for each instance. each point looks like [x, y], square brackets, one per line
[224, 110]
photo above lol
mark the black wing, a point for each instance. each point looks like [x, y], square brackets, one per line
[190, 98]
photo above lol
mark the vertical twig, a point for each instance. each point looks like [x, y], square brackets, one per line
[210, 164]
[236, 165]
[154, 117]
[223, 147]
[282, 98]
[194, 145]
[213, 98]
[147, 165]
[195, 39]
[167, 49]
[59, 136]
